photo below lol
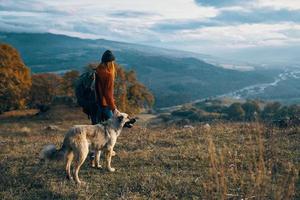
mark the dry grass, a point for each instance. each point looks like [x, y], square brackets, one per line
[19, 113]
[231, 161]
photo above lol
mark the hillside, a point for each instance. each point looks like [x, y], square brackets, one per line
[226, 161]
[175, 77]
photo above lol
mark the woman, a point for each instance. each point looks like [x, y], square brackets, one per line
[105, 76]
[106, 108]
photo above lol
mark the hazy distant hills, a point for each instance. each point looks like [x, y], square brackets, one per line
[174, 77]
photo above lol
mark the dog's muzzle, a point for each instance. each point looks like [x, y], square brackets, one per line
[130, 123]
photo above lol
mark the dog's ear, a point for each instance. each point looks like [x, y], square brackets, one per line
[120, 118]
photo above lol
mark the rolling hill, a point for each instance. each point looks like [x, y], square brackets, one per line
[175, 77]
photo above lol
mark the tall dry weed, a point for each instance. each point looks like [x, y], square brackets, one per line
[248, 170]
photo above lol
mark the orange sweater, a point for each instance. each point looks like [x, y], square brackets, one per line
[105, 87]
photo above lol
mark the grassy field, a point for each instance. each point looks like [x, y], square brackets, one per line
[226, 161]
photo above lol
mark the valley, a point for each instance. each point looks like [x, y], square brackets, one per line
[174, 77]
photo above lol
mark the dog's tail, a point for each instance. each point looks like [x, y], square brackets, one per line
[49, 152]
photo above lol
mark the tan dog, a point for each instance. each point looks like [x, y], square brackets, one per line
[78, 139]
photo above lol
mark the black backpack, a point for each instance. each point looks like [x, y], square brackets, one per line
[85, 92]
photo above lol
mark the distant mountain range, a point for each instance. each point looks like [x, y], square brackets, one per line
[175, 77]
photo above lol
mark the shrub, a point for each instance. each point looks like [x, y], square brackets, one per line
[236, 112]
[252, 110]
[44, 89]
[195, 115]
[270, 110]
[15, 79]
[68, 83]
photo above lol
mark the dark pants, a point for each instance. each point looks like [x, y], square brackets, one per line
[101, 114]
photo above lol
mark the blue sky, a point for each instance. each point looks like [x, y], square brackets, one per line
[204, 26]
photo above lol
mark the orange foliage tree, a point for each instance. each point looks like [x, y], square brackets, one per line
[44, 88]
[15, 80]
[121, 89]
[131, 95]
[68, 82]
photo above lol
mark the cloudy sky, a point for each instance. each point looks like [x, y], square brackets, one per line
[204, 26]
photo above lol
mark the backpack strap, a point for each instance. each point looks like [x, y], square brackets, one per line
[93, 86]
[93, 82]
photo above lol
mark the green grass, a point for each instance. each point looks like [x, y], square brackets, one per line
[229, 161]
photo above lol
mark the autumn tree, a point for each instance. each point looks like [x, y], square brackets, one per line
[138, 95]
[15, 80]
[121, 89]
[68, 82]
[44, 88]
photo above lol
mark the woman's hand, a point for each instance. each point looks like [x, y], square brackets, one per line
[116, 112]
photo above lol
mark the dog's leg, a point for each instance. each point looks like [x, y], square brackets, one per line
[69, 159]
[80, 157]
[97, 158]
[108, 156]
[93, 159]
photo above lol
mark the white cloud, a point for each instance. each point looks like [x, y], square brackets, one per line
[277, 4]
[243, 8]
[94, 18]
[133, 21]
[167, 9]
[241, 36]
